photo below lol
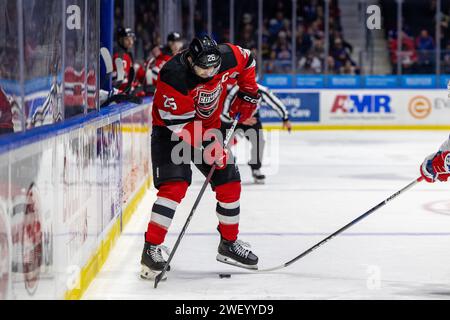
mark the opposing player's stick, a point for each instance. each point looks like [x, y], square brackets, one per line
[197, 201]
[331, 236]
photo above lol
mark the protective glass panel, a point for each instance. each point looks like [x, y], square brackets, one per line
[201, 18]
[10, 90]
[221, 21]
[146, 28]
[93, 41]
[347, 34]
[42, 43]
[75, 60]
[246, 24]
[445, 38]
[277, 36]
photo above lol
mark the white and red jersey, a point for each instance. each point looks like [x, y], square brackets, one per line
[128, 63]
[154, 65]
[182, 98]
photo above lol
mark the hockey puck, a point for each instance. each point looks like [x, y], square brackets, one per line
[224, 275]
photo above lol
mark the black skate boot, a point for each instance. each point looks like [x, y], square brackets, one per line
[258, 177]
[237, 254]
[152, 261]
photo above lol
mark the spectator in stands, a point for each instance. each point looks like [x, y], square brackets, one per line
[304, 42]
[445, 65]
[316, 29]
[311, 11]
[336, 34]
[408, 54]
[282, 49]
[318, 48]
[424, 41]
[277, 31]
[349, 68]
[269, 65]
[143, 42]
[277, 23]
[425, 47]
[445, 27]
[339, 53]
[248, 37]
[310, 65]
[408, 58]
[331, 65]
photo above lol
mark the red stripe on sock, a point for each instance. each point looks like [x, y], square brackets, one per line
[156, 233]
[229, 231]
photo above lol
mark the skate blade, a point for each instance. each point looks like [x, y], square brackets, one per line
[228, 260]
[149, 274]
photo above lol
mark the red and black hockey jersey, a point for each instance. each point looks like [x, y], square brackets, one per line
[128, 64]
[154, 65]
[182, 98]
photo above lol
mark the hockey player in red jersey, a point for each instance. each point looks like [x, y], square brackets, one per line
[189, 96]
[133, 73]
[163, 54]
[437, 165]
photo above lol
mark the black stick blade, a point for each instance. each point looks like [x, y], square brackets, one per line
[158, 279]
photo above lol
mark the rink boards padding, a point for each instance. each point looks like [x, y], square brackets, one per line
[66, 192]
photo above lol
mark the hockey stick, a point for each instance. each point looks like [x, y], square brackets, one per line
[331, 236]
[109, 69]
[107, 60]
[194, 207]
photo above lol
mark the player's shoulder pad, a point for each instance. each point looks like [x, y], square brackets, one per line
[176, 74]
[228, 57]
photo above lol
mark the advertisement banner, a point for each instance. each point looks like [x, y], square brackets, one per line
[43, 62]
[111, 145]
[302, 107]
[382, 107]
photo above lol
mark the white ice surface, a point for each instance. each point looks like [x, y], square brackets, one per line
[325, 180]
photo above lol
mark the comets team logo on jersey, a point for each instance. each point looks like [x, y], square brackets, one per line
[207, 101]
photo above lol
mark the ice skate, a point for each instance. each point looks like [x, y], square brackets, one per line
[152, 261]
[258, 177]
[237, 253]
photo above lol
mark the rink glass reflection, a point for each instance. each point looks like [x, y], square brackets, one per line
[60, 195]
